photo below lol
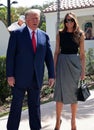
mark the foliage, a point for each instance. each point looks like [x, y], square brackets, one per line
[20, 10]
[46, 93]
[46, 90]
[90, 61]
[43, 26]
[61, 26]
[14, 15]
[3, 15]
[90, 67]
[16, 12]
[4, 89]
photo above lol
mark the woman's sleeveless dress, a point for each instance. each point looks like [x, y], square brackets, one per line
[68, 70]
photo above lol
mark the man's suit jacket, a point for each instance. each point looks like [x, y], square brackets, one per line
[21, 62]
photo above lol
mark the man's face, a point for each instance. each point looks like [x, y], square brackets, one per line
[32, 21]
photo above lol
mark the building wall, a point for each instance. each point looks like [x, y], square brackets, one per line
[51, 19]
[84, 15]
[89, 44]
[4, 37]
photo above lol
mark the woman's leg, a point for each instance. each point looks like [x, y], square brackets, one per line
[59, 106]
[73, 119]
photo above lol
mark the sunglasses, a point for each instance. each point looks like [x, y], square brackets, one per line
[69, 20]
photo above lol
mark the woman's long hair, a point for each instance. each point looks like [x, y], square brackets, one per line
[77, 32]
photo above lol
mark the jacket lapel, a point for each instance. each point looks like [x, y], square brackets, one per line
[27, 38]
[38, 38]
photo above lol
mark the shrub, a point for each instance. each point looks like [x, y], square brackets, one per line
[90, 61]
[4, 88]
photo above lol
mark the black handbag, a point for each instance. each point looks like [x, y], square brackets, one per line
[83, 91]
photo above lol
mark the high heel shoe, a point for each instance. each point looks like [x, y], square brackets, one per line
[60, 124]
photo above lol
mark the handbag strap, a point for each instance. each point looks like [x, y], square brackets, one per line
[82, 82]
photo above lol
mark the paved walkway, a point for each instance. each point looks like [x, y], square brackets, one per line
[85, 116]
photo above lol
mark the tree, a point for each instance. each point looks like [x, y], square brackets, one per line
[3, 15]
[21, 10]
[43, 26]
[16, 12]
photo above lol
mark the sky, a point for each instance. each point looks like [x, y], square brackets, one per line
[27, 3]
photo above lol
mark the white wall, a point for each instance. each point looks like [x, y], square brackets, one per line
[51, 19]
[4, 37]
[89, 44]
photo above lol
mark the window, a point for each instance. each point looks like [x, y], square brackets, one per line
[88, 31]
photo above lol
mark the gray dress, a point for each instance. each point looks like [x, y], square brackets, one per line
[68, 70]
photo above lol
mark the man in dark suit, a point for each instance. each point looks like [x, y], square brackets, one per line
[25, 69]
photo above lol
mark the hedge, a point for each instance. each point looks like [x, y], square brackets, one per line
[4, 88]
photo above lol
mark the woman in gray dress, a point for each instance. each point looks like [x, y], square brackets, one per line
[69, 62]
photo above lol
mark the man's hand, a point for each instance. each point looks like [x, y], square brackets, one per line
[11, 81]
[51, 82]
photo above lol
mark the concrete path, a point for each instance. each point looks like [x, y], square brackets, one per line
[85, 116]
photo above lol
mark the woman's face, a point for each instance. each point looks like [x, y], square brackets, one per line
[69, 22]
